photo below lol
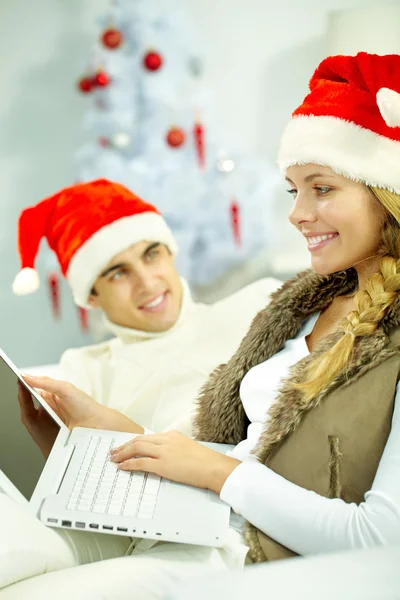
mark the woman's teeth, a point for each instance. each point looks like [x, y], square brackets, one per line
[314, 240]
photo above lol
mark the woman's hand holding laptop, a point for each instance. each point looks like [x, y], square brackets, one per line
[73, 406]
[37, 421]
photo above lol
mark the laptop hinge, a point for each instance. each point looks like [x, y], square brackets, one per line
[63, 466]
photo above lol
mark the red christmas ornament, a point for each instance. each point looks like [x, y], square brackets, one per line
[198, 133]
[102, 79]
[54, 290]
[105, 142]
[85, 85]
[152, 61]
[175, 137]
[83, 319]
[235, 222]
[112, 38]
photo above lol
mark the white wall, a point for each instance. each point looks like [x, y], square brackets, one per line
[260, 55]
[43, 45]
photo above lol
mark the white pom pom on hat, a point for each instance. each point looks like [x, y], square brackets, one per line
[26, 282]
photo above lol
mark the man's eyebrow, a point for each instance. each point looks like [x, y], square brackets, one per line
[150, 248]
[110, 269]
[121, 265]
[310, 177]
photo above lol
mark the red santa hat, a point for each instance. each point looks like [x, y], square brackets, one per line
[350, 120]
[86, 225]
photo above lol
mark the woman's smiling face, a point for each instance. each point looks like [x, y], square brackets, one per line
[339, 218]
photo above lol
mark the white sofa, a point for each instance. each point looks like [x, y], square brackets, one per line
[358, 575]
[30, 553]
[372, 574]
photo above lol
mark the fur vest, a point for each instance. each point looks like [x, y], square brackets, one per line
[331, 445]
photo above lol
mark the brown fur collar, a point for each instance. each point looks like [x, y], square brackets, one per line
[220, 416]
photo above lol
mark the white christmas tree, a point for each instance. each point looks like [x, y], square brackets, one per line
[149, 127]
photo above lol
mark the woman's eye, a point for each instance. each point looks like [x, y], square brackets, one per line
[292, 192]
[322, 190]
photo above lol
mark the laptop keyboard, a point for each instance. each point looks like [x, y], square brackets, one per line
[102, 488]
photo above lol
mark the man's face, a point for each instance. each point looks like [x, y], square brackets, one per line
[140, 288]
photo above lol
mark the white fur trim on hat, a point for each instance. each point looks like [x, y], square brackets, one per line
[91, 258]
[349, 150]
[26, 282]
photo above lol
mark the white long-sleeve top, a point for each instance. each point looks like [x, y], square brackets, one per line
[300, 519]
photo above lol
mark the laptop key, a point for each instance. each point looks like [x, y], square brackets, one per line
[99, 508]
[114, 510]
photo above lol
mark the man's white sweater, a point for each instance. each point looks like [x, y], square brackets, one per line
[154, 378]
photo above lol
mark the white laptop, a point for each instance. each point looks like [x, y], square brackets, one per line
[78, 487]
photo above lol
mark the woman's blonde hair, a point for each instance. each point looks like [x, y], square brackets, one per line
[372, 304]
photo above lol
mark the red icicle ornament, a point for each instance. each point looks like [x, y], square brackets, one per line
[235, 222]
[54, 291]
[198, 132]
[83, 319]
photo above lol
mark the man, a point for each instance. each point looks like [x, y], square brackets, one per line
[117, 254]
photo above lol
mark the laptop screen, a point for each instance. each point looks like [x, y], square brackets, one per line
[21, 459]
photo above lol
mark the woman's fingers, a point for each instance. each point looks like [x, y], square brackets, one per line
[62, 389]
[149, 465]
[28, 409]
[136, 449]
[50, 399]
[47, 396]
[155, 438]
[26, 401]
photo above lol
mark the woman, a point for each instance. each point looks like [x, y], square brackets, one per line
[320, 471]
[324, 357]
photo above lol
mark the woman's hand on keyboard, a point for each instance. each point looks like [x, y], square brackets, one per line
[174, 456]
[77, 409]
